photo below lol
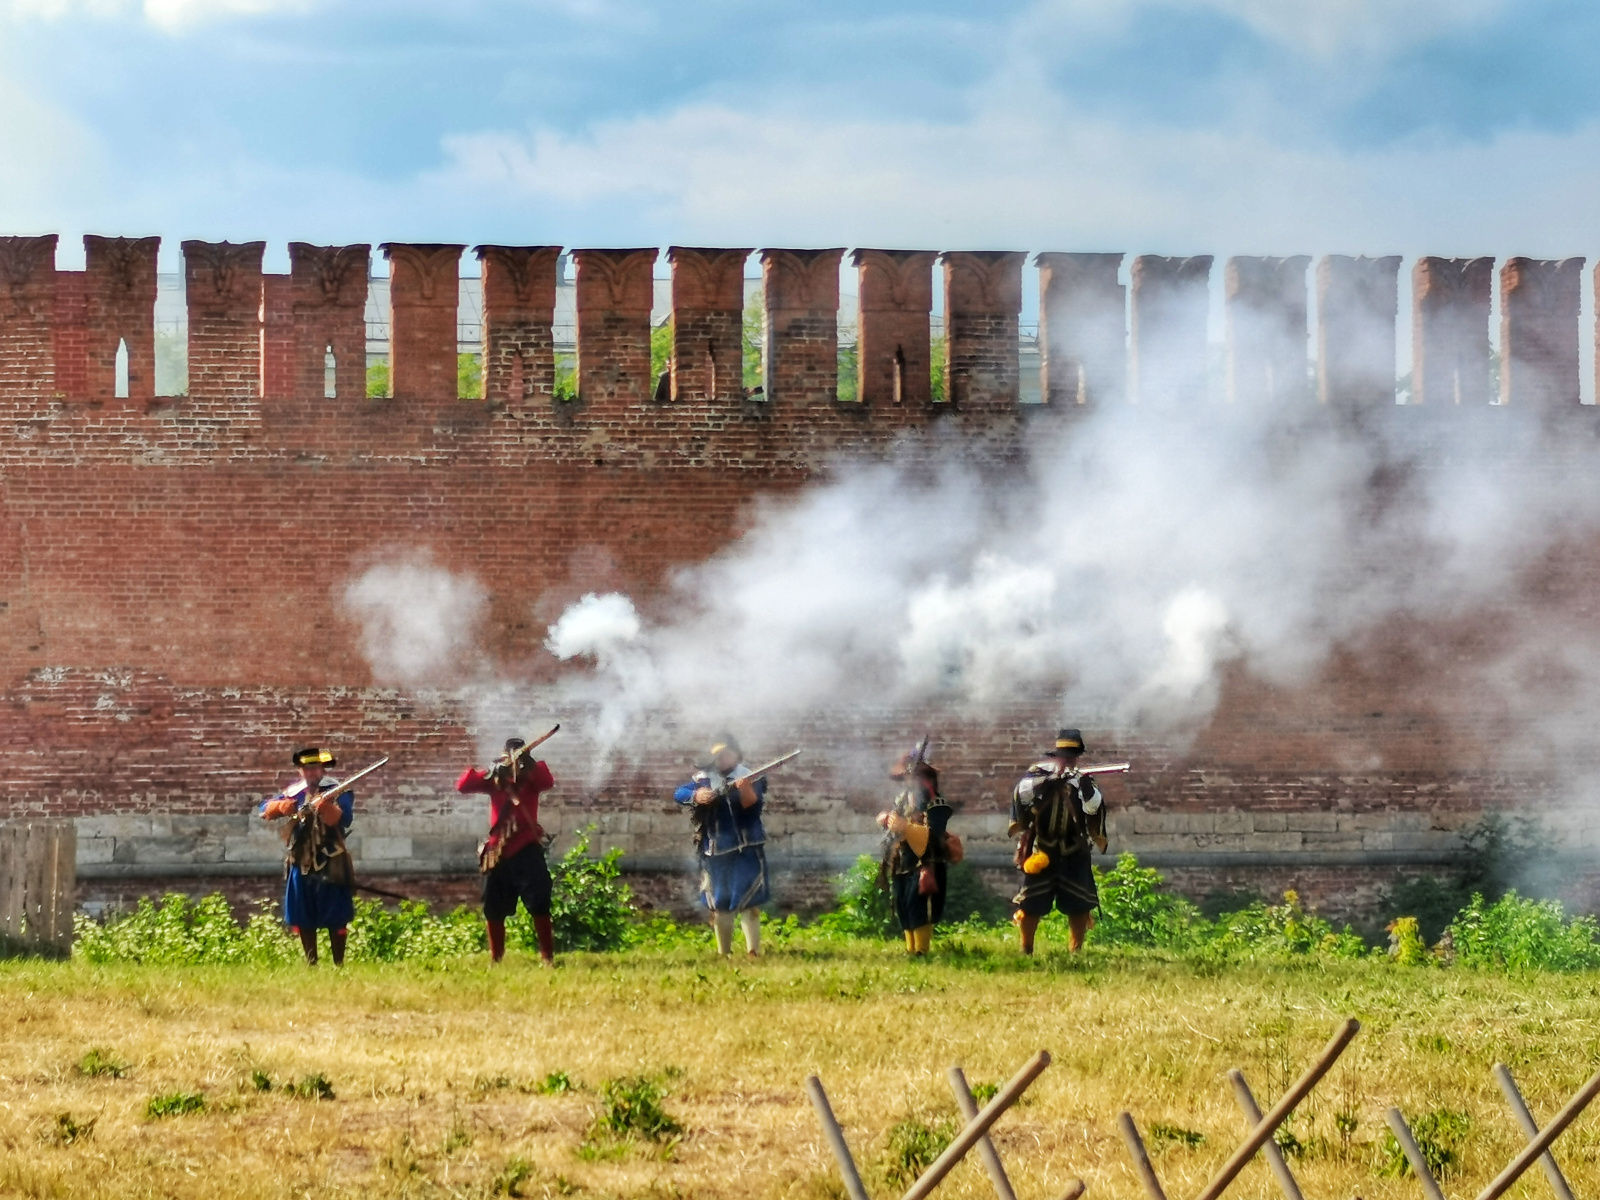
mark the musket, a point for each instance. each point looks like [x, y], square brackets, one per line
[730, 785]
[890, 837]
[489, 848]
[1097, 769]
[299, 786]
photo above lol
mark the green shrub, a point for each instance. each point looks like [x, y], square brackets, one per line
[1406, 946]
[99, 1063]
[183, 931]
[968, 898]
[754, 337]
[1162, 1135]
[469, 376]
[566, 383]
[591, 906]
[863, 909]
[936, 381]
[555, 1083]
[1135, 911]
[631, 1107]
[1517, 934]
[849, 385]
[660, 350]
[1283, 930]
[1439, 1135]
[311, 1087]
[912, 1147]
[411, 932]
[174, 1104]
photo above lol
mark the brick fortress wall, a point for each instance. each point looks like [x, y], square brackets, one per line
[170, 566]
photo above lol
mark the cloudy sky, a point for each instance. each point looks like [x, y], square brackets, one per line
[1180, 126]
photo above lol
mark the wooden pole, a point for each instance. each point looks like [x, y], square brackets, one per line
[1141, 1158]
[1540, 1144]
[978, 1126]
[836, 1142]
[1269, 1123]
[968, 1108]
[1519, 1109]
[1269, 1150]
[1414, 1155]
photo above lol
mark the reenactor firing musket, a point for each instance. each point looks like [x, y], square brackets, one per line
[505, 773]
[729, 786]
[304, 819]
[887, 842]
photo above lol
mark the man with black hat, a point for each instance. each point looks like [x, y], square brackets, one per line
[1055, 815]
[730, 842]
[319, 878]
[512, 859]
[917, 852]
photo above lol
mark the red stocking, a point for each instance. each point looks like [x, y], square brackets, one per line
[547, 938]
[497, 940]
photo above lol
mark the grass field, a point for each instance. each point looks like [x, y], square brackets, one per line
[436, 1073]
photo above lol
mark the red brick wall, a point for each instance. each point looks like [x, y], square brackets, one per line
[170, 571]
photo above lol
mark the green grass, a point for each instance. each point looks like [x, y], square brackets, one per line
[442, 1070]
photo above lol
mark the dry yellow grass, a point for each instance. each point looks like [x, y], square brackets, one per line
[428, 1068]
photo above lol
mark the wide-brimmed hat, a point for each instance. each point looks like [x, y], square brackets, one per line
[313, 757]
[1068, 741]
[908, 764]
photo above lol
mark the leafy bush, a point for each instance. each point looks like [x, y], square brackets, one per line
[631, 1107]
[1162, 1134]
[849, 385]
[912, 1147]
[98, 1063]
[378, 379]
[555, 1083]
[566, 384]
[863, 909]
[968, 898]
[174, 1104]
[1283, 930]
[1406, 946]
[311, 1087]
[182, 931]
[1439, 1135]
[1517, 934]
[412, 932]
[591, 907]
[1135, 911]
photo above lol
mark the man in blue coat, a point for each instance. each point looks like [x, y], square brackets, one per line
[319, 879]
[729, 842]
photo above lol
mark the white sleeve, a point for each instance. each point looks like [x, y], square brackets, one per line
[1092, 803]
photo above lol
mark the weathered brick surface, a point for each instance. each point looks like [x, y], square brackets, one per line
[155, 690]
[895, 295]
[1082, 329]
[424, 293]
[1266, 330]
[222, 283]
[800, 336]
[707, 364]
[27, 314]
[1357, 302]
[1167, 364]
[1539, 303]
[1450, 331]
[614, 295]
[519, 304]
[329, 286]
[982, 300]
[120, 294]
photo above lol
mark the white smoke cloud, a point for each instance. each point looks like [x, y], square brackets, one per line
[419, 621]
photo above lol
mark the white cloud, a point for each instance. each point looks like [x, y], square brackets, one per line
[165, 14]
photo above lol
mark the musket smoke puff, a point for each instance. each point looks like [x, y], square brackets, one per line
[419, 622]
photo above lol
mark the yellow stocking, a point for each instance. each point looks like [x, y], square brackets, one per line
[922, 938]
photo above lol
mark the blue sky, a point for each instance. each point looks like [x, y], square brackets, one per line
[1251, 126]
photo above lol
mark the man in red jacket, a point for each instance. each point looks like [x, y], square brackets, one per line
[512, 858]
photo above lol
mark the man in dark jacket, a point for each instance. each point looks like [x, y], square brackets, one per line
[1056, 814]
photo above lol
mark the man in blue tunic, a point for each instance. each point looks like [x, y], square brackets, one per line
[730, 842]
[319, 877]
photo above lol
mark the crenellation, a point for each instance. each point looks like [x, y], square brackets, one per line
[223, 289]
[1450, 332]
[893, 338]
[982, 306]
[519, 303]
[1083, 329]
[120, 284]
[329, 289]
[800, 333]
[1539, 311]
[1167, 333]
[1358, 300]
[615, 292]
[707, 362]
[1266, 330]
[27, 316]
[424, 294]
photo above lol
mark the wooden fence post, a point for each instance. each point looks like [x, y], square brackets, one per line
[38, 883]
